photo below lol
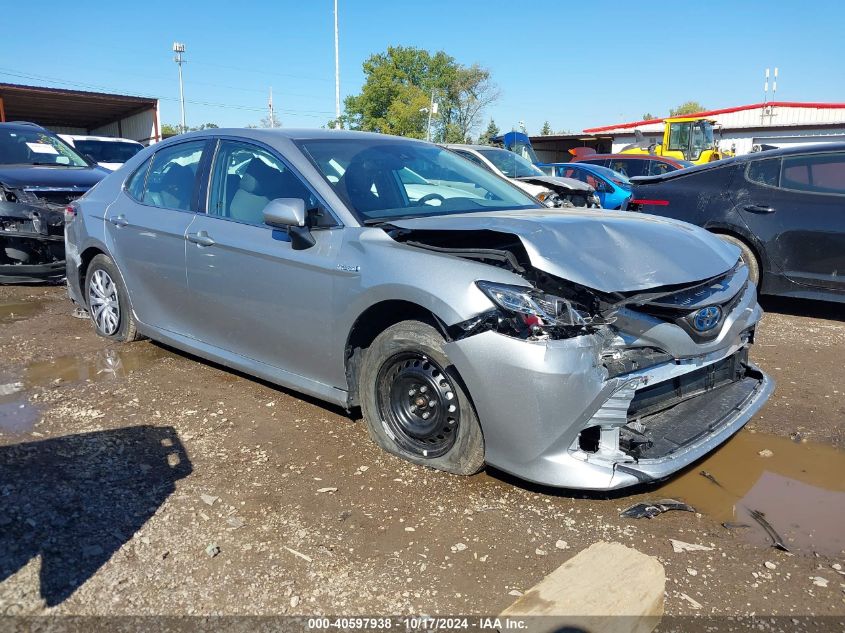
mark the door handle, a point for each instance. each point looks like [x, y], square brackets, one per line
[120, 220]
[200, 238]
[758, 208]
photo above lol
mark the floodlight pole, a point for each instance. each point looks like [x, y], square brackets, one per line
[179, 49]
[336, 70]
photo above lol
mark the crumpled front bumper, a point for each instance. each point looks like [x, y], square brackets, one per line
[31, 244]
[534, 398]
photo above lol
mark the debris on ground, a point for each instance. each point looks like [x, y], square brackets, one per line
[777, 541]
[651, 509]
[765, 453]
[692, 572]
[329, 489]
[208, 499]
[818, 581]
[561, 544]
[235, 522]
[731, 525]
[680, 546]
[692, 603]
[770, 565]
[298, 554]
[709, 476]
[212, 550]
[458, 547]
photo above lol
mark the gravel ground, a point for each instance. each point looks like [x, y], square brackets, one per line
[155, 483]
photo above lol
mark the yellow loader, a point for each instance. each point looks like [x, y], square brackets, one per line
[684, 138]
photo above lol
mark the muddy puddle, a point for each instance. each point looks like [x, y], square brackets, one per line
[798, 486]
[11, 311]
[18, 415]
[104, 365]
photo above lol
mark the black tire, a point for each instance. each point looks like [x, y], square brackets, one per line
[748, 257]
[409, 357]
[122, 326]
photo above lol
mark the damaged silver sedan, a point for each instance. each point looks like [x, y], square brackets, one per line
[574, 348]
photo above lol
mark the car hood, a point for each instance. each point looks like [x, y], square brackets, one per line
[81, 178]
[555, 181]
[605, 251]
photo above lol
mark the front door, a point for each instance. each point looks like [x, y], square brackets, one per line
[251, 293]
[795, 206]
[146, 227]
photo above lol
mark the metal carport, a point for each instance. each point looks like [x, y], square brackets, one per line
[81, 112]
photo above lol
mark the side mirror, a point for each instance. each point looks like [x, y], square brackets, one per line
[285, 212]
[290, 214]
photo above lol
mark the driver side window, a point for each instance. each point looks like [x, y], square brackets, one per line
[246, 178]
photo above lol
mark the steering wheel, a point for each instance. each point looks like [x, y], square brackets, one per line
[431, 196]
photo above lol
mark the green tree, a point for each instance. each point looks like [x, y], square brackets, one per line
[491, 131]
[398, 89]
[168, 130]
[648, 115]
[547, 129]
[688, 107]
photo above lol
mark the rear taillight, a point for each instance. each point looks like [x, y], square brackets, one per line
[645, 201]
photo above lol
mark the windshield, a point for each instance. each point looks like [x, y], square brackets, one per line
[510, 164]
[615, 176]
[20, 146]
[702, 137]
[380, 180]
[108, 151]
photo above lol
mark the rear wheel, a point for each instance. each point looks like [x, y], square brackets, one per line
[108, 301]
[414, 404]
[747, 256]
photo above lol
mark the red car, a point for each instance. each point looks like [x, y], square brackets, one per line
[632, 165]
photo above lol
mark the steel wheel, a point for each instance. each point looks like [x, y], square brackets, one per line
[103, 302]
[417, 401]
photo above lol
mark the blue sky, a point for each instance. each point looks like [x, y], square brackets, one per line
[577, 64]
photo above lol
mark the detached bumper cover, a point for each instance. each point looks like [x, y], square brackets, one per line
[31, 243]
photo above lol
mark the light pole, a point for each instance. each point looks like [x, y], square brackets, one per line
[178, 49]
[336, 70]
[432, 109]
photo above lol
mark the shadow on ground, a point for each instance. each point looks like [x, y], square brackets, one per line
[804, 307]
[75, 500]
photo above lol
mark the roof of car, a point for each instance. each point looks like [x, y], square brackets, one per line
[662, 159]
[467, 146]
[21, 125]
[83, 137]
[294, 134]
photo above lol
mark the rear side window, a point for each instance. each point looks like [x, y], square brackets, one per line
[136, 182]
[658, 168]
[818, 173]
[764, 172]
[630, 167]
[171, 179]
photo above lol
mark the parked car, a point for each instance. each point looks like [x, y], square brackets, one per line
[586, 349]
[784, 209]
[552, 191]
[39, 176]
[106, 151]
[613, 189]
[632, 165]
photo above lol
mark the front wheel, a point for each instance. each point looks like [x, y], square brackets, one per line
[414, 404]
[108, 301]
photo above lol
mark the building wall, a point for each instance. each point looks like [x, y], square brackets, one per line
[743, 141]
[138, 127]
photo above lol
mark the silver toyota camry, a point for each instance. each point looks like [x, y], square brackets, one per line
[472, 325]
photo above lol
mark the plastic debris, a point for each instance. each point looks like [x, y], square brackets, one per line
[680, 546]
[651, 509]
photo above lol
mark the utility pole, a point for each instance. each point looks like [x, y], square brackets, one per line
[336, 70]
[432, 109]
[179, 49]
[270, 105]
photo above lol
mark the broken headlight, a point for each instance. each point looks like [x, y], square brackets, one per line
[536, 309]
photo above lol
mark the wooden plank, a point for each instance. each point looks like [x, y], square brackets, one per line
[607, 588]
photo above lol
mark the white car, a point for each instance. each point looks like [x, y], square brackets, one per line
[106, 151]
[550, 190]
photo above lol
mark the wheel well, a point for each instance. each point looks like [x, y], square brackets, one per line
[84, 260]
[750, 244]
[372, 322]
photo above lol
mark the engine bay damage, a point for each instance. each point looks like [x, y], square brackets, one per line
[31, 236]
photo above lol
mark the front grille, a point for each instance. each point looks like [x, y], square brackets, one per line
[663, 395]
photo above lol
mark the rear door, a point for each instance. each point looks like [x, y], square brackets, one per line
[145, 231]
[795, 206]
[250, 292]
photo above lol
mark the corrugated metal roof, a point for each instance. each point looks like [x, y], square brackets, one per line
[772, 114]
